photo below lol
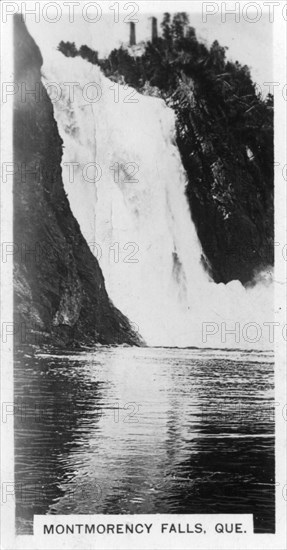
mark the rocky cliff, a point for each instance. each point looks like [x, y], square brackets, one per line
[59, 289]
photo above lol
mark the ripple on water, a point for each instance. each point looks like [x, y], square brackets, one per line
[146, 430]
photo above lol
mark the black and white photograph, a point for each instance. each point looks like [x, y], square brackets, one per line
[143, 328]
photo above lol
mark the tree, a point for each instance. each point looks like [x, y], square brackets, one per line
[179, 25]
[87, 53]
[165, 25]
[217, 56]
[68, 49]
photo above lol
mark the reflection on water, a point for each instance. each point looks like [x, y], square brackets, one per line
[128, 430]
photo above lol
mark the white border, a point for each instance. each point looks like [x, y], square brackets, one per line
[7, 386]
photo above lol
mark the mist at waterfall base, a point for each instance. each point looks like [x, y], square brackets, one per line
[126, 186]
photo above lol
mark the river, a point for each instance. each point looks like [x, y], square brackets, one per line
[145, 430]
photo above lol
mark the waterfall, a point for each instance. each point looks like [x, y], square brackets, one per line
[126, 186]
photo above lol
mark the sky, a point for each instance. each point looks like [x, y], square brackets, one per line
[249, 43]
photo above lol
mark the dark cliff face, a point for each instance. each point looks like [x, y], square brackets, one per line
[229, 167]
[59, 289]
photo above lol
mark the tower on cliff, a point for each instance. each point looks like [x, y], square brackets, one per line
[153, 29]
[132, 34]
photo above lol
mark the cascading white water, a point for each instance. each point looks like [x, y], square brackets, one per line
[126, 186]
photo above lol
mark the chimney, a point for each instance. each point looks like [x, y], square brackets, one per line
[153, 29]
[132, 34]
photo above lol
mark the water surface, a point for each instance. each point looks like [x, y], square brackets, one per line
[145, 430]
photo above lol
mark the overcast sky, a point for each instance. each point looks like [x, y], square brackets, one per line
[249, 43]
